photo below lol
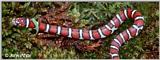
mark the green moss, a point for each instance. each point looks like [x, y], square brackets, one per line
[84, 14]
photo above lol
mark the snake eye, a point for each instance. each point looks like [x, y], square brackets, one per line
[16, 21]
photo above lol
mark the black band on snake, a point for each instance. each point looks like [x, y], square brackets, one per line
[101, 32]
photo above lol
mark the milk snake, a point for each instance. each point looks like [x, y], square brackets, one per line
[85, 34]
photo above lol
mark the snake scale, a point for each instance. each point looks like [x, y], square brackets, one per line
[101, 32]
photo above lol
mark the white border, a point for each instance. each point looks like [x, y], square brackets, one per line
[159, 29]
[88, 0]
[1, 29]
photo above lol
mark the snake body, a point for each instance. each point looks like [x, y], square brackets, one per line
[101, 32]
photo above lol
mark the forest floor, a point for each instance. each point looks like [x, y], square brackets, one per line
[88, 15]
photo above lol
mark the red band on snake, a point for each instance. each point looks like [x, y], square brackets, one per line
[101, 32]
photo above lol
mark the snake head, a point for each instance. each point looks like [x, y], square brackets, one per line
[19, 22]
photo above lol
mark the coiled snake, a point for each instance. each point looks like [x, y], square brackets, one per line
[101, 32]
